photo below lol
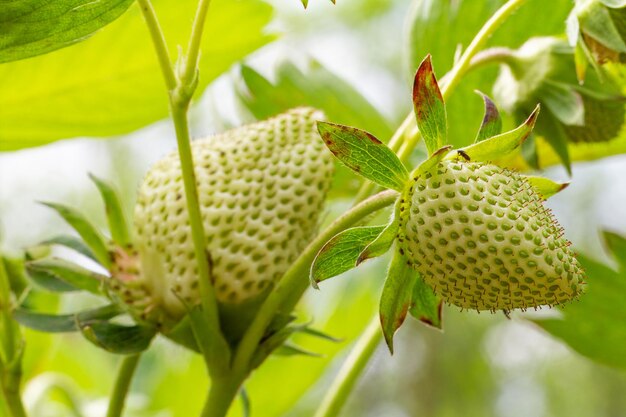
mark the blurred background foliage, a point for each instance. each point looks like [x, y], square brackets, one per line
[355, 60]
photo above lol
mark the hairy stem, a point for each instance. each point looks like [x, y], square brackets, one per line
[122, 384]
[295, 281]
[350, 371]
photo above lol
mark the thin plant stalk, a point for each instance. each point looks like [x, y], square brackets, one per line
[122, 385]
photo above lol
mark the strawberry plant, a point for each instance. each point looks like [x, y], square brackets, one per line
[212, 256]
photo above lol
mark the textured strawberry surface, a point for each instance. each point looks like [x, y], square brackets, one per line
[261, 189]
[481, 238]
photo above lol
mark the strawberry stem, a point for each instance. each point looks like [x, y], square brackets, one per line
[122, 384]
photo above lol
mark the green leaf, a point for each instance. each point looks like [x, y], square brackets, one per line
[492, 123]
[111, 84]
[426, 306]
[545, 187]
[288, 349]
[114, 212]
[564, 102]
[382, 243]
[594, 325]
[115, 338]
[317, 333]
[397, 296]
[71, 242]
[53, 323]
[340, 253]
[35, 27]
[502, 145]
[430, 110]
[92, 237]
[60, 275]
[314, 86]
[554, 134]
[617, 246]
[364, 154]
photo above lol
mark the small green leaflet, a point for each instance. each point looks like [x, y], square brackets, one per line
[35, 27]
[92, 237]
[397, 296]
[545, 187]
[426, 306]
[492, 123]
[60, 275]
[502, 145]
[114, 212]
[340, 254]
[430, 110]
[617, 246]
[115, 338]
[381, 244]
[364, 154]
[71, 242]
[53, 323]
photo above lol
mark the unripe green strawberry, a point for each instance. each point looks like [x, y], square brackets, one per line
[261, 189]
[481, 238]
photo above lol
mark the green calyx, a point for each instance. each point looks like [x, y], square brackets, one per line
[480, 237]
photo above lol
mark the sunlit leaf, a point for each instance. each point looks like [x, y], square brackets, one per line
[34, 27]
[545, 186]
[111, 84]
[364, 154]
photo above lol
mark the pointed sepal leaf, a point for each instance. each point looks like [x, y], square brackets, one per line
[430, 109]
[432, 161]
[617, 246]
[61, 323]
[492, 122]
[340, 254]
[499, 146]
[60, 275]
[382, 243]
[289, 349]
[545, 186]
[397, 296]
[118, 225]
[116, 338]
[305, 3]
[318, 334]
[71, 242]
[364, 154]
[92, 237]
[426, 306]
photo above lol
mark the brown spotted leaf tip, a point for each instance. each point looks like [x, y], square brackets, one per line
[492, 123]
[430, 110]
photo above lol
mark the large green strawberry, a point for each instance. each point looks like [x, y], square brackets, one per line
[261, 190]
[480, 236]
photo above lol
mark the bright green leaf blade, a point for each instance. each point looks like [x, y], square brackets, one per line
[492, 123]
[545, 186]
[617, 246]
[115, 338]
[364, 154]
[48, 273]
[397, 296]
[502, 145]
[289, 349]
[35, 27]
[341, 252]
[53, 323]
[382, 243]
[430, 110]
[318, 334]
[426, 306]
[313, 86]
[114, 212]
[92, 237]
[594, 325]
[71, 242]
[111, 84]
